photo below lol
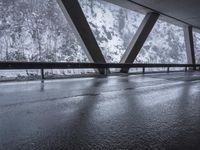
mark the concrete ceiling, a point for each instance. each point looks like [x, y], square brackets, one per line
[179, 12]
[187, 11]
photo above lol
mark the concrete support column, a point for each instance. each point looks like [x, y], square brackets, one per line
[139, 39]
[75, 16]
[189, 45]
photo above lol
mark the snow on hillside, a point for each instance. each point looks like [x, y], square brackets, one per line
[113, 26]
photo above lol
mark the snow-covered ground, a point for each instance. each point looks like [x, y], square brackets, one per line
[36, 74]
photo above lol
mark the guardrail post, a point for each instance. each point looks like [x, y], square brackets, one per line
[105, 71]
[143, 70]
[168, 69]
[42, 74]
[185, 69]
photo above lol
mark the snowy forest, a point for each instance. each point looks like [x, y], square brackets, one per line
[36, 30]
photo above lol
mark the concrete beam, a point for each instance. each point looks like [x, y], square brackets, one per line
[74, 14]
[139, 39]
[189, 44]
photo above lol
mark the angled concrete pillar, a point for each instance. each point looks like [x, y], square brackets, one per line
[139, 39]
[75, 16]
[189, 45]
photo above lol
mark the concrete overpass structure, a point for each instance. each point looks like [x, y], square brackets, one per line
[145, 111]
[183, 13]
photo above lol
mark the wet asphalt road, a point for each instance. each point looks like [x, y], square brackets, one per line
[144, 112]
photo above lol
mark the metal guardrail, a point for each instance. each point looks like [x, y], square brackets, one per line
[63, 65]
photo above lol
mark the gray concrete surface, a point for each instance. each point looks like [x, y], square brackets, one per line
[184, 10]
[153, 111]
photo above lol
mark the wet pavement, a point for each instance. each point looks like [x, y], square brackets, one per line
[152, 111]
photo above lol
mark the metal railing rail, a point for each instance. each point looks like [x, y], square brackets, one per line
[64, 65]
